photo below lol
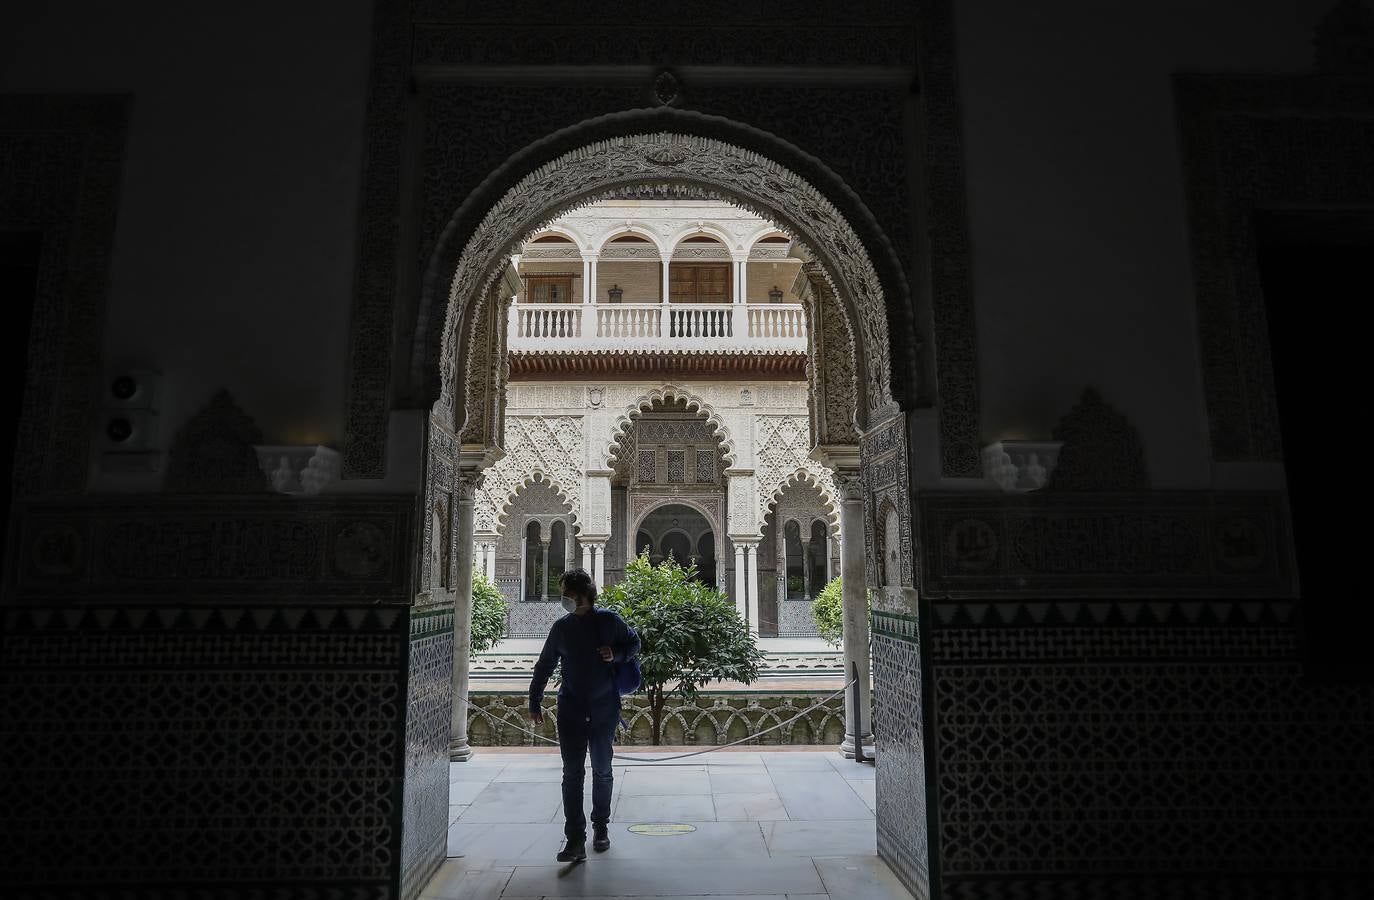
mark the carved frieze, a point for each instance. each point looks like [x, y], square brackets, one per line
[1159, 544]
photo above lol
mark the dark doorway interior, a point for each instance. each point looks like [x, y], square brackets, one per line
[19, 255]
[1317, 280]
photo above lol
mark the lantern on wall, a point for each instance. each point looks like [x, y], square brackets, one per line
[775, 295]
[615, 293]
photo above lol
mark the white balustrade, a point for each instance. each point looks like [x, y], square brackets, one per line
[777, 321]
[539, 321]
[657, 326]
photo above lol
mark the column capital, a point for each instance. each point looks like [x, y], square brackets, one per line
[590, 255]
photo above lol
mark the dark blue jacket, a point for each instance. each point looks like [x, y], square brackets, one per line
[586, 677]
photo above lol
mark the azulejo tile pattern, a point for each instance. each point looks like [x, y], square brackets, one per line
[215, 754]
[212, 694]
[429, 703]
[1077, 759]
[903, 842]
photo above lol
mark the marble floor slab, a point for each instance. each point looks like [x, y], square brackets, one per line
[819, 797]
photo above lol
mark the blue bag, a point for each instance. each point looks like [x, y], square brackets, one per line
[625, 674]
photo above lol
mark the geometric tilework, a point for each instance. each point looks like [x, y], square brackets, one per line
[903, 842]
[795, 619]
[227, 758]
[428, 724]
[1074, 757]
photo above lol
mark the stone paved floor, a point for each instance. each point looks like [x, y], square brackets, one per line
[794, 823]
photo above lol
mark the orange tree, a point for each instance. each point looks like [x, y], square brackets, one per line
[689, 633]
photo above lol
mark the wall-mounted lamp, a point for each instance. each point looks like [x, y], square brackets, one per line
[775, 295]
[615, 293]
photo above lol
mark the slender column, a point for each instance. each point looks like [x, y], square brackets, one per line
[739, 314]
[737, 290]
[592, 282]
[491, 561]
[667, 261]
[751, 556]
[587, 558]
[544, 570]
[599, 561]
[587, 294]
[458, 749]
[740, 575]
[855, 592]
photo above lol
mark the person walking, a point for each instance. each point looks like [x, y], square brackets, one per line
[586, 642]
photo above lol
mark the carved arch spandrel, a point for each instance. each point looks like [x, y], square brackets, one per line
[550, 447]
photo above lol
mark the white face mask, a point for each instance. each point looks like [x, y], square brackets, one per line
[569, 605]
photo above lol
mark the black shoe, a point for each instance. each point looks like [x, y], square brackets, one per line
[601, 841]
[573, 852]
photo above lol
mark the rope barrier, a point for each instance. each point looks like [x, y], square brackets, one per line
[502, 723]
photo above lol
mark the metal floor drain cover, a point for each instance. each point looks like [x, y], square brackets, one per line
[662, 828]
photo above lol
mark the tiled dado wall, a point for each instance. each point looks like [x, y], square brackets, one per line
[210, 694]
[1117, 709]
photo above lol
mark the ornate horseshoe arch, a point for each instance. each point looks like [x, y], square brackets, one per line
[644, 402]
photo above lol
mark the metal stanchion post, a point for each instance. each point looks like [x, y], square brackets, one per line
[858, 733]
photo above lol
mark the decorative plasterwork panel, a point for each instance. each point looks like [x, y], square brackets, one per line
[550, 446]
[551, 253]
[782, 448]
[1172, 544]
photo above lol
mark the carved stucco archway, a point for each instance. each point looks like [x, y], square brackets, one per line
[711, 516]
[469, 349]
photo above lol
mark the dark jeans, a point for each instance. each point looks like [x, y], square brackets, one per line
[580, 730]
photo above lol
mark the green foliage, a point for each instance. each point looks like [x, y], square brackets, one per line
[828, 611]
[488, 614]
[689, 633]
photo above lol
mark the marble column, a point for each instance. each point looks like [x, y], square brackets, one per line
[854, 599]
[751, 558]
[458, 749]
[587, 295]
[741, 572]
[667, 291]
[599, 565]
[587, 564]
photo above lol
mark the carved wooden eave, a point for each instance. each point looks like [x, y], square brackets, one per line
[760, 364]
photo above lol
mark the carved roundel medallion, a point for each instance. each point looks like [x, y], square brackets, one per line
[972, 545]
[58, 551]
[666, 88]
[360, 550]
[1241, 545]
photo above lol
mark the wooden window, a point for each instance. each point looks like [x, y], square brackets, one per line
[548, 288]
[700, 283]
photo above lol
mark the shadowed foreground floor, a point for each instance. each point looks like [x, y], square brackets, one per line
[795, 823]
